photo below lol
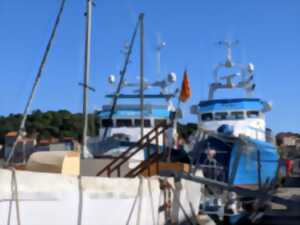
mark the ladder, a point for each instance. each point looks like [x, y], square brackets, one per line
[143, 144]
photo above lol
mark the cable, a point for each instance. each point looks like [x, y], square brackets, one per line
[35, 84]
[14, 196]
[122, 76]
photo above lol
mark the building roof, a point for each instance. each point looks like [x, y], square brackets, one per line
[11, 134]
[48, 141]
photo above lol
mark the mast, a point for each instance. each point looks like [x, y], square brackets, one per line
[89, 5]
[142, 72]
[160, 44]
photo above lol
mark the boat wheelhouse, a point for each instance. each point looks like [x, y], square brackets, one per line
[126, 121]
[245, 116]
[120, 125]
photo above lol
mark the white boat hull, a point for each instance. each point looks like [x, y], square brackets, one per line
[55, 199]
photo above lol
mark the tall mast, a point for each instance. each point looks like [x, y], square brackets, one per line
[160, 45]
[86, 73]
[142, 72]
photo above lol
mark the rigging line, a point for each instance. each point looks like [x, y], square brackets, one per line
[80, 200]
[14, 197]
[135, 200]
[122, 76]
[151, 200]
[36, 82]
[140, 203]
[176, 198]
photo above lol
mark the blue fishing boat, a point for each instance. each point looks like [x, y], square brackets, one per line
[233, 144]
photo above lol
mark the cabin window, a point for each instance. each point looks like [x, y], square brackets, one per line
[162, 122]
[253, 114]
[137, 123]
[206, 117]
[221, 116]
[107, 123]
[124, 123]
[237, 115]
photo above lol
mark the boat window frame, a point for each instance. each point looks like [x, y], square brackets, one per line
[147, 123]
[258, 114]
[235, 118]
[224, 112]
[160, 121]
[207, 113]
[111, 122]
[123, 119]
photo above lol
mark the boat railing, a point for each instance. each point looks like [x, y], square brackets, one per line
[267, 134]
[144, 143]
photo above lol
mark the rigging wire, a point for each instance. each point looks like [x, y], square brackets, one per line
[21, 131]
[122, 76]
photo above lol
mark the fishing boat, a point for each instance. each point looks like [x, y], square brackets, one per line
[122, 127]
[52, 189]
[233, 144]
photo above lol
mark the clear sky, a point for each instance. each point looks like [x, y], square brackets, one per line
[268, 31]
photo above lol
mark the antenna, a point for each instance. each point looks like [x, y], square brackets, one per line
[228, 45]
[245, 74]
[160, 45]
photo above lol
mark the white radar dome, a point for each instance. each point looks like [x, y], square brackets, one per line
[111, 79]
[250, 68]
[172, 77]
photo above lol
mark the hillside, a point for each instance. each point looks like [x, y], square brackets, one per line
[62, 123]
[57, 124]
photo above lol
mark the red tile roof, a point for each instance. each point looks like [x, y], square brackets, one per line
[12, 134]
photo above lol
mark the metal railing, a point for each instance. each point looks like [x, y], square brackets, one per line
[144, 143]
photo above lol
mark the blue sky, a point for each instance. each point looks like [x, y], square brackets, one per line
[268, 32]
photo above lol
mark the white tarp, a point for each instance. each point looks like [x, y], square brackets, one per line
[54, 199]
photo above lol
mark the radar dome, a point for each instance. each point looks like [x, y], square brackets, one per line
[172, 77]
[250, 68]
[111, 79]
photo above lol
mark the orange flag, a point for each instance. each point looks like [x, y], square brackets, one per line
[185, 91]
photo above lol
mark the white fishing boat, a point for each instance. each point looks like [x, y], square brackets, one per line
[122, 127]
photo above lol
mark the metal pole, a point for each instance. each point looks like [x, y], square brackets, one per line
[160, 45]
[142, 72]
[158, 61]
[86, 73]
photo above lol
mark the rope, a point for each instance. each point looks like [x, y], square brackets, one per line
[179, 203]
[151, 201]
[135, 201]
[14, 196]
[122, 76]
[35, 84]
[159, 200]
[138, 220]
[167, 200]
[80, 201]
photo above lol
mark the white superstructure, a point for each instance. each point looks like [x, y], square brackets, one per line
[244, 116]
